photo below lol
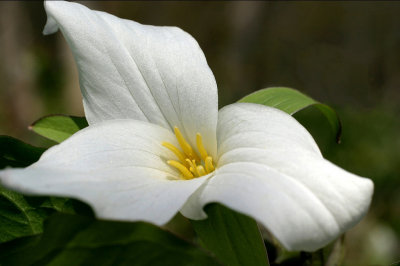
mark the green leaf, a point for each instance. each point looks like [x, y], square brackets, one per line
[16, 153]
[234, 238]
[17, 217]
[24, 216]
[20, 215]
[79, 240]
[292, 101]
[58, 127]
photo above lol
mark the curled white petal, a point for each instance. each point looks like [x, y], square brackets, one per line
[135, 71]
[271, 169]
[118, 167]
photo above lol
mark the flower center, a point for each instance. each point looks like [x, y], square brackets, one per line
[189, 164]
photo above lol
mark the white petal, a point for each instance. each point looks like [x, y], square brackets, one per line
[271, 169]
[118, 167]
[129, 70]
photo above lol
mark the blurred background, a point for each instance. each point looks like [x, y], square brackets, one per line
[345, 54]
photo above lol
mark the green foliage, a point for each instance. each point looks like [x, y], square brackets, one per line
[21, 215]
[17, 217]
[16, 153]
[234, 238]
[292, 101]
[58, 127]
[79, 240]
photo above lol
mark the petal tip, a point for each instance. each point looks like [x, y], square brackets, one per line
[50, 27]
[51, 24]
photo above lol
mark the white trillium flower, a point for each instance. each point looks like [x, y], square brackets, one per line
[158, 145]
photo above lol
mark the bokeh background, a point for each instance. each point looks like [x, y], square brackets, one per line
[345, 54]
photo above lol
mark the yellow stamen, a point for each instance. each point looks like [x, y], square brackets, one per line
[175, 150]
[201, 171]
[185, 172]
[209, 165]
[187, 149]
[193, 167]
[190, 164]
[200, 147]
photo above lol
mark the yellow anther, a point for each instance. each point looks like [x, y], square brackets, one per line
[190, 163]
[200, 147]
[201, 171]
[187, 149]
[175, 150]
[193, 167]
[209, 164]
[185, 172]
